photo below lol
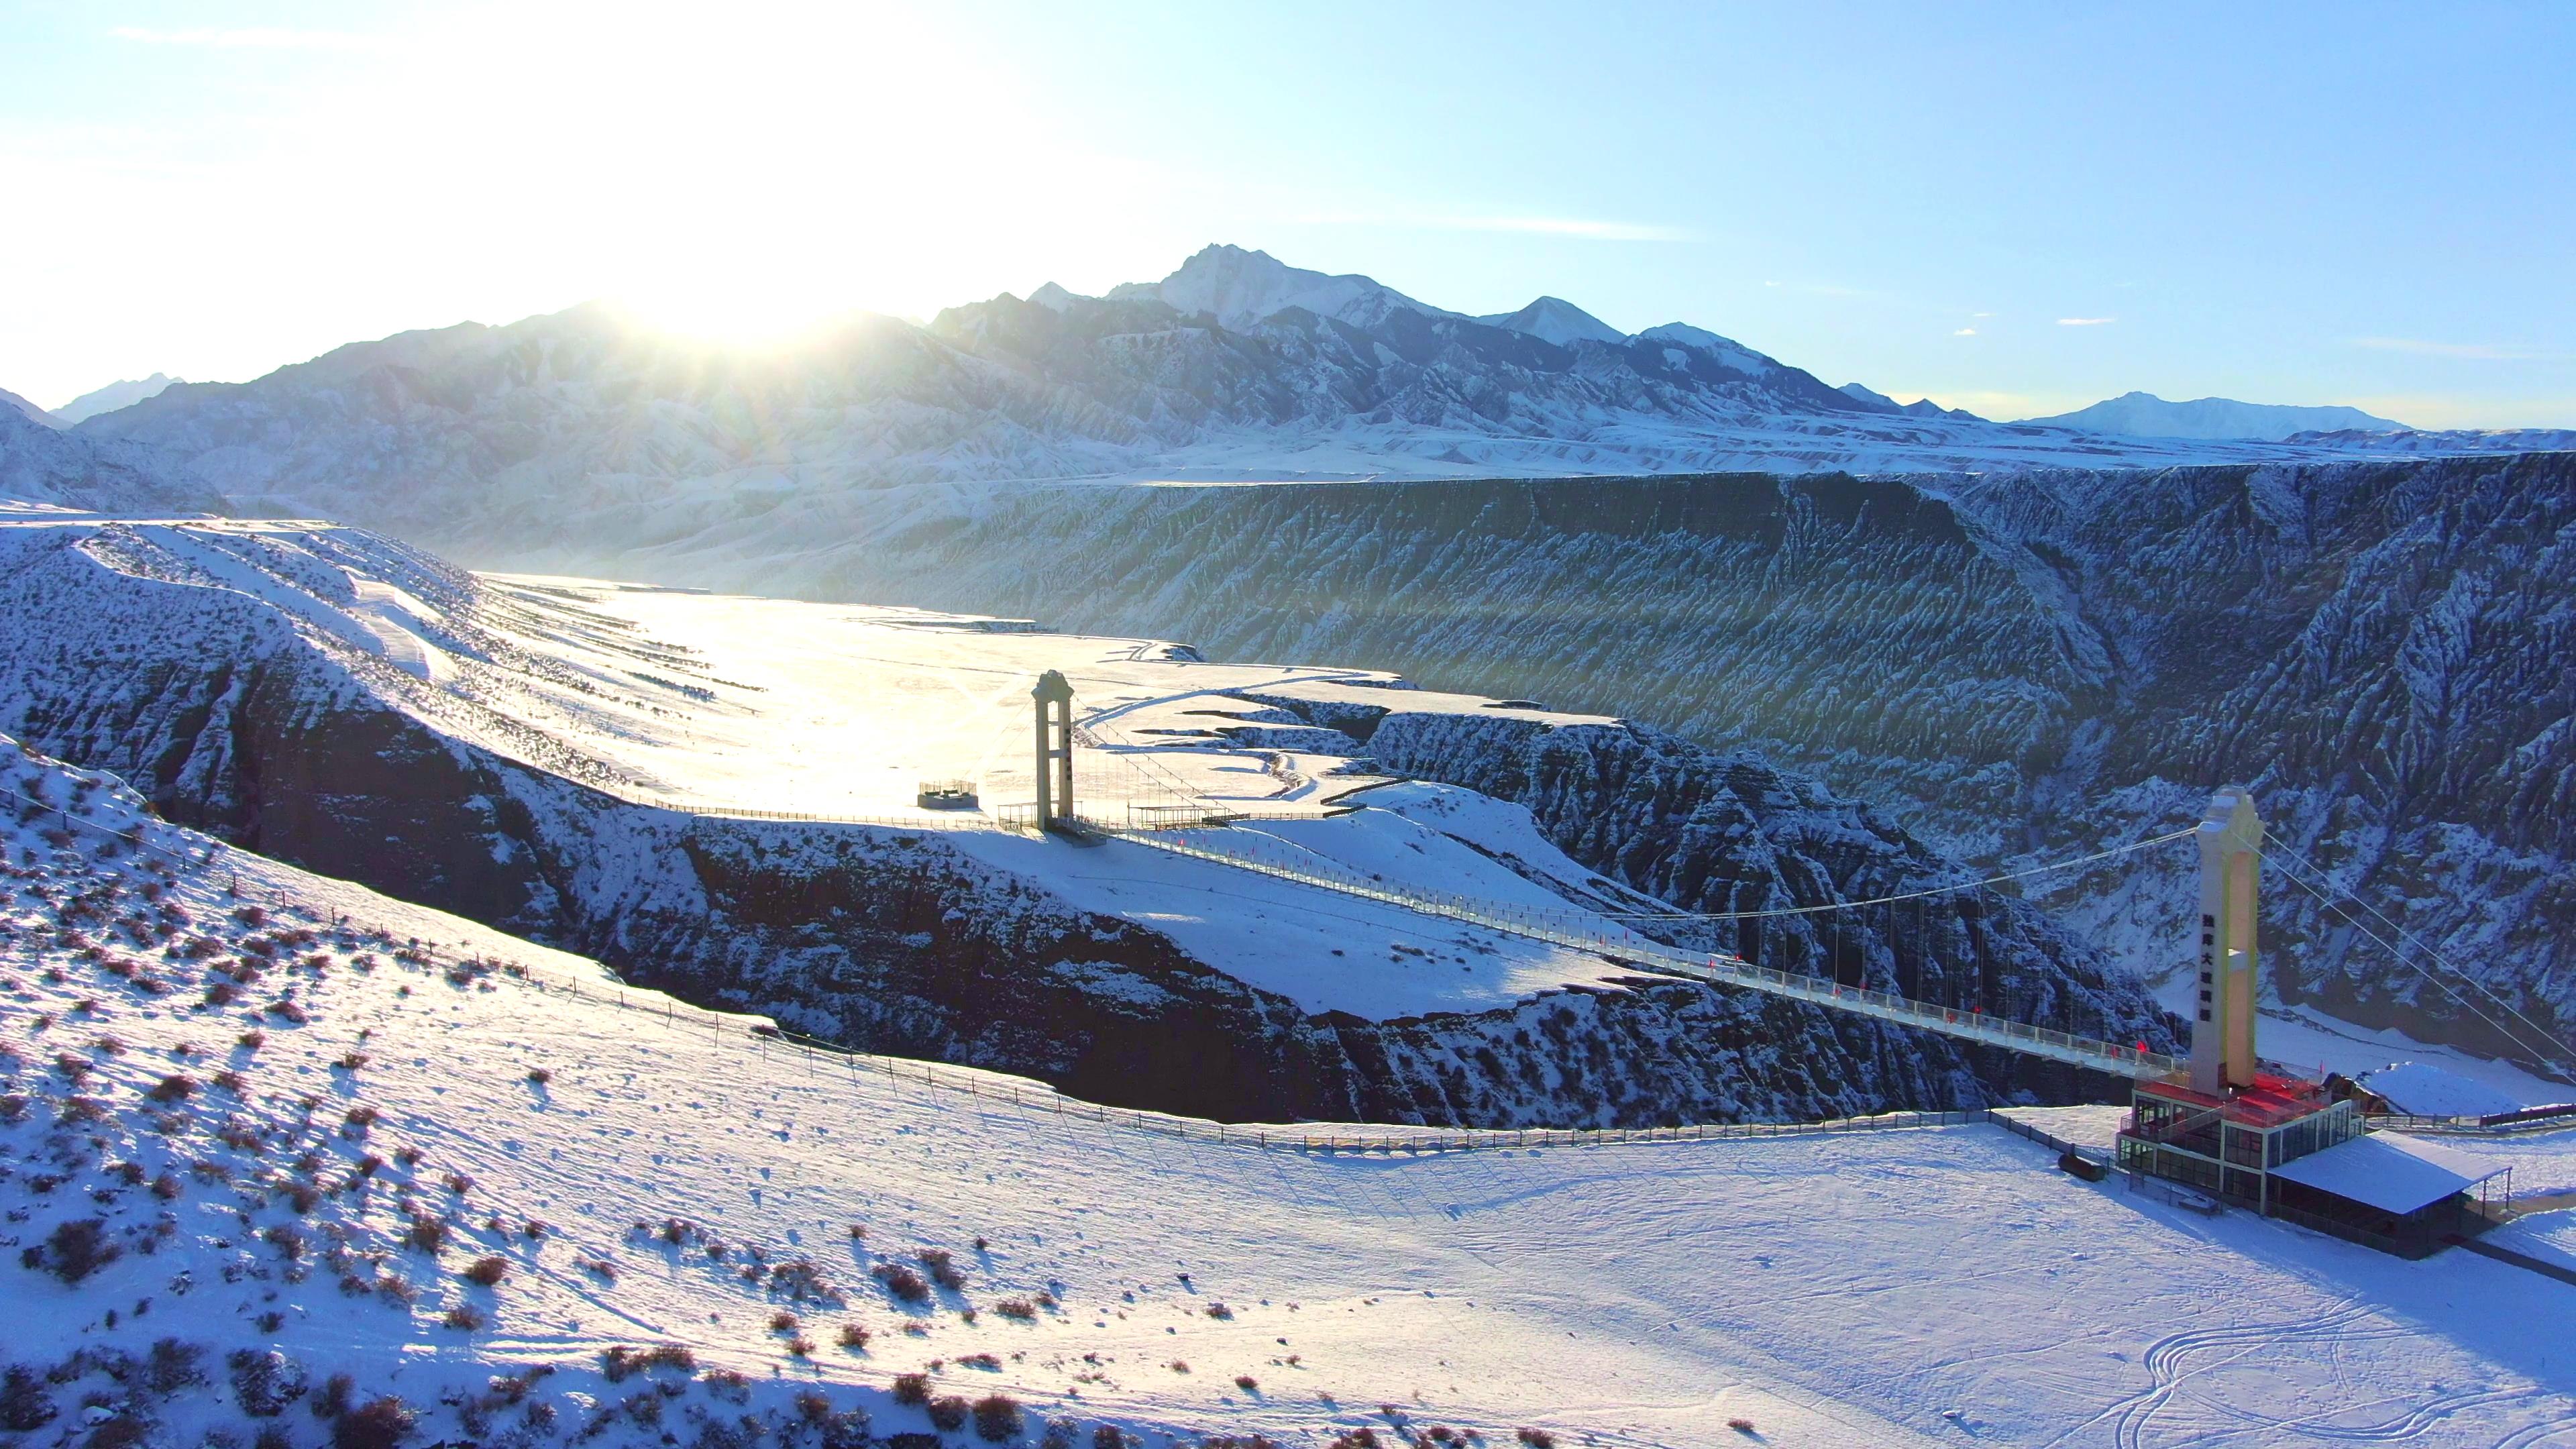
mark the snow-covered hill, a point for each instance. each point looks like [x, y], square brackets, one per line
[43, 465]
[2143, 414]
[111, 397]
[585, 426]
[287, 1161]
[587, 763]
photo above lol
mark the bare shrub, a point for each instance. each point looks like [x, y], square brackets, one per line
[800, 1347]
[621, 1363]
[172, 1366]
[853, 1337]
[902, 1282]
[947, 1413]
[488, 1271]
[539, 1076]
[24, 1404]
[1247, 1383]
[1019, 1308]
[1538, 1439]
[997, 1418]
[379, 1424]
[1219, 1310]
[782, 1321]
[943, 1268]
[1740, 1426]
[356, 1121]
[730, 1385]
[333, 1401]
[464, 1316]
[457, 1183]
[912, 1390]
[77, 1248]
[252, 1040]
[1110, 1436]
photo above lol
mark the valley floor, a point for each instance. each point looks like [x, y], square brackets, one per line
[1882, 1288]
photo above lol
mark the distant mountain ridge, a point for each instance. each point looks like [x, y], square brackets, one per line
[589, 429]
[2145, 415]
[111, 397]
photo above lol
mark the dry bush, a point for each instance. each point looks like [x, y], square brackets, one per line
[539, 1076]
[800, 1347]
[75, 1249]
[618, 1364]
[781, 1321]
[853, 1337]
[464, 1316]
[981, 1361]
[912, 1390]
[1538, 1439]
[1247, 1383]
[1219, 1310]
[488, 1272]
[947, 1413]
[943, 1268]
[997, 1418]
[1180, 1366]
[1740, 1426]
[902, 1282]
[381, 1424]
[1019, 1308]
[352, 1060]
[252, 1040]
[356, 1121]
[457, 1183]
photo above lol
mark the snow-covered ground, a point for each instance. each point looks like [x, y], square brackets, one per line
[339, 1087]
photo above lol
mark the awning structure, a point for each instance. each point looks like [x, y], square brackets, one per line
[2391, 1172]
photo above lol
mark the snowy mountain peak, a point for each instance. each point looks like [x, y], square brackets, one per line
[1553, 319]
[1728, 352]
[1055, 298]
[1919, 408]
[2145, 415]
[1242, 287]
[113, 396]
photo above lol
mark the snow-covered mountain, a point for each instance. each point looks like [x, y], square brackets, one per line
[496, 443]
[10, 402]
[598, 765]
[111, 397]
[1922, 407]
[1553, 319]
[2145, 415]
[286, 1161]
[41, 464]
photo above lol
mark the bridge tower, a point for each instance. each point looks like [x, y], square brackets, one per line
[1054, 696]
[2222, 1029]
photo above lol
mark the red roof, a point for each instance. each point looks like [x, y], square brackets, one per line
[2270, 1102]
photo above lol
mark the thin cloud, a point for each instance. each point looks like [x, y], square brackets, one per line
[2086, 321]
[1965, 332]
[252, 39]
[2476, 351]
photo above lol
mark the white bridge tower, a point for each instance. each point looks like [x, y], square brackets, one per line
[2222, 1029]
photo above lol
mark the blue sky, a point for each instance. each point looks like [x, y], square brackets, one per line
[2016, 209]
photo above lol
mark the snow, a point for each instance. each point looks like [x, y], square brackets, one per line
[2143, 414]
[2427, 1090]
[1866, 1288]
[1555, 320]
[2392, 1171]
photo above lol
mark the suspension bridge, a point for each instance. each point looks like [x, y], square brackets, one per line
[1156, 810]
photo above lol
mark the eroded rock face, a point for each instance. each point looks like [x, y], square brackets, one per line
[213, 706]
[2018, 667]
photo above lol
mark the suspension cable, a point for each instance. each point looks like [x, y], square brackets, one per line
[2293, 864]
